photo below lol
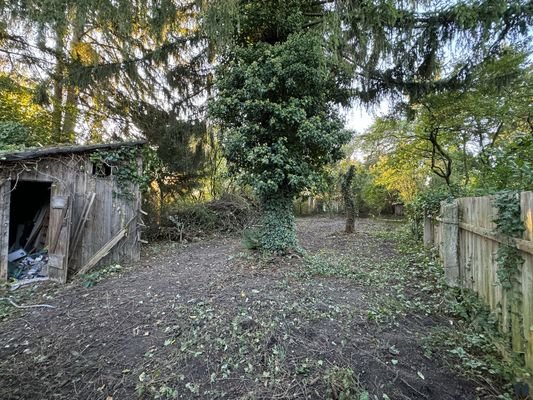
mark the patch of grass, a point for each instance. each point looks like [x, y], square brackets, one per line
[410, 282]
[343, 384]
[210, 348]
[472, 343]
[326, 265]
[92, 278]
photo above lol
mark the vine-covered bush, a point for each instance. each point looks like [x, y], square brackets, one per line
[123, 162]
[509, 224]
[426, 204]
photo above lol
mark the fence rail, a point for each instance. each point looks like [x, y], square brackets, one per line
[465, 236]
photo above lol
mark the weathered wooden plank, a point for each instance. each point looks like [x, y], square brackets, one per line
[524, 245]
[59, 231]
[78, 232]
[450, 220]
[5, 197]
[527, 303]
[104, 228]
[429, 232]
[88, 246]
[526, 204]
[119, 212]
[103, 251]
[65, 208]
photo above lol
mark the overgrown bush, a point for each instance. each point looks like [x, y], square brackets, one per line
[425, 204]
[13, 136]
[185, 221]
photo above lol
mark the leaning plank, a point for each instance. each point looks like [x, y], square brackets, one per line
[81, 225]
[37, 225]
[102, 252]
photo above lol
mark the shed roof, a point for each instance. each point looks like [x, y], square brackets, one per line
[58, 150]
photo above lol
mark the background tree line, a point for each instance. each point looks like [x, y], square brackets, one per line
[276, 76]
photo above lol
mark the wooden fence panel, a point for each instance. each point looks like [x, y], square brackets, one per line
[526, 203]
[476, 246]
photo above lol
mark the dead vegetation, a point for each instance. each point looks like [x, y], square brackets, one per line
[351, 319]
[228, 214]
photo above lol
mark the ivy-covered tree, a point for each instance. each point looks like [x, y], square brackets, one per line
[348, 199]
[276, 104]
[389, 48]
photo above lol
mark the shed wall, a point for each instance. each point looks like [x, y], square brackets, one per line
[110, 213]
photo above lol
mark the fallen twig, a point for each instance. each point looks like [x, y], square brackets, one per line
[31, 306]
[15, 286]
[413, 388]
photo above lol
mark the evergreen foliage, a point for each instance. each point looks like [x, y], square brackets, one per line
[386, 48]
[112, 70]
[22, 121]
[276, 105]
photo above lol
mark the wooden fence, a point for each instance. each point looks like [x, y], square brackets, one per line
[466, 238]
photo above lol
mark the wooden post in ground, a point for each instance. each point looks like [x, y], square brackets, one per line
[429, 235]
[526, 206]
[450, 242]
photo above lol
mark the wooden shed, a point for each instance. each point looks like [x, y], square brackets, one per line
[76, 205]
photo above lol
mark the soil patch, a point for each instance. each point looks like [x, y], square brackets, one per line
[210, 320]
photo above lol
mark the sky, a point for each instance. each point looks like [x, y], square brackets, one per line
[359, 119]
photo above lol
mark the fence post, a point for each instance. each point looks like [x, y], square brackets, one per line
[429, 236]
[450, 241]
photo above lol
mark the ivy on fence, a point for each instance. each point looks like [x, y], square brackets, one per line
[509, 224]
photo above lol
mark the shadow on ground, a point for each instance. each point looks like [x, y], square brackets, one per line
[209, 320]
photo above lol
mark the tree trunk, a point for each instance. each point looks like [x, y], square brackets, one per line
[465, 162]
[71, 102]
[349, 202]
[278, 232]
[57, 103]
[70, 115]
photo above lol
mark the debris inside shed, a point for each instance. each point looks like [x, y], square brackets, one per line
[30, 266]
[29, 217]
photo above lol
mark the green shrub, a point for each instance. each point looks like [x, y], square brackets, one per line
[251, 239]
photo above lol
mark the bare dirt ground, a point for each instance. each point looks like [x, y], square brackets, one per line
[210, 320]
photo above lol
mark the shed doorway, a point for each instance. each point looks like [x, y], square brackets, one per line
[29, 217]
